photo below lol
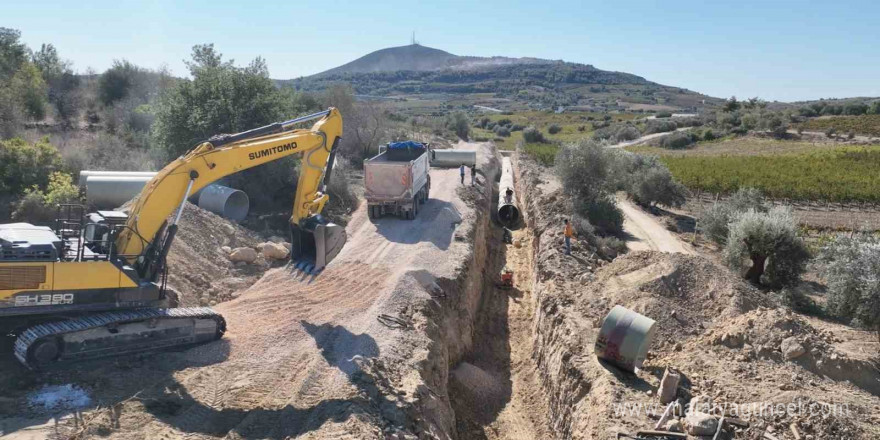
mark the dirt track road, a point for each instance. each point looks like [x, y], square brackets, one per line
[288, 364]
[646, 234]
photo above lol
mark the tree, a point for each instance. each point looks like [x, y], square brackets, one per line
[369, 126]
[875, 108]
[30, 91]
[777, 255]
[458, 123]
[223, 98]
[715, 221]
[554, 128]
[63, 84]
[731, 105]
[851, 267]
[13, 53]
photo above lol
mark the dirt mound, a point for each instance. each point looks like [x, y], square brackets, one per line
[199, 270]
[685, 294]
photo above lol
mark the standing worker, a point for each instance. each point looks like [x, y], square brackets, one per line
[473, 174]
[461, 171]
[568, 232]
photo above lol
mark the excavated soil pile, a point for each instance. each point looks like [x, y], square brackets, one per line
[734, 347]
[199, 270]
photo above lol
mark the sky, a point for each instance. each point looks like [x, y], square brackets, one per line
[776, 50]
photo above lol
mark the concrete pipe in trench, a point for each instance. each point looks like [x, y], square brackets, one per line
[227, 202]
[508, 213]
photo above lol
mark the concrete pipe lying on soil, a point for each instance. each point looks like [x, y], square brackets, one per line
[453, 158]
[508, 213]
[111, 189]
[84, 175]
[224, 201]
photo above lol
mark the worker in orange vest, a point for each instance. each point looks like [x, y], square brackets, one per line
[568, 232]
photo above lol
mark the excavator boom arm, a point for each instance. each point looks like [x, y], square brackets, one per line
[223, 156]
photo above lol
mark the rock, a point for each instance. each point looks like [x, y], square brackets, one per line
[669, 386]
[277, 239]
[287, 245]
[228, 229]
[275, 251]
[226, 250]
[699, 423]
[791, 348]
[243, 255]
[673, 425]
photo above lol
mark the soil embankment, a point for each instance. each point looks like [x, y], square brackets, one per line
[730, 341]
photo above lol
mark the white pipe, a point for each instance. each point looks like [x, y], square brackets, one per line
[84, 175]
[508, 213]
[453, 158]
[227, 202]
[111, 189]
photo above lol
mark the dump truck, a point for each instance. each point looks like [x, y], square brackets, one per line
[396, 180]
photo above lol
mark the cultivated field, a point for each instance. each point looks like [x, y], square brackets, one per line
[863, 124]
[781, 169]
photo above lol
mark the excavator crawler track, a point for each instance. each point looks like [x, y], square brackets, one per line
[116, 333]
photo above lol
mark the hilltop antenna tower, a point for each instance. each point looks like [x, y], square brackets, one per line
[413, 39]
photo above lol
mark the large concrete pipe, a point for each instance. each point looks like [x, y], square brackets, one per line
[111, 189]
[508, 213]
[227, 202]
[453, 158]
[83, 175]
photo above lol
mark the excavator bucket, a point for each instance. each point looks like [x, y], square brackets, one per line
[315, 242]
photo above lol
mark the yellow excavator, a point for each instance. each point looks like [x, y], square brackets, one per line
[95, 285]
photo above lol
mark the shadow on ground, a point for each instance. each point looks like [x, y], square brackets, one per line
[435, 223]
[175, 406]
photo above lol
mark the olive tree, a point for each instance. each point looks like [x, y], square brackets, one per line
[851, 267]
[715, 221]
[770, 243]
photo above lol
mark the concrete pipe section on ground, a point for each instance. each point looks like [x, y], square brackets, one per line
[111, 189]
[453, 158]
[508, 213]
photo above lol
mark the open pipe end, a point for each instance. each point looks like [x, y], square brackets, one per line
[508, 215]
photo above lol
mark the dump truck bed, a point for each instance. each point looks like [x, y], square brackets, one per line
[395, 176]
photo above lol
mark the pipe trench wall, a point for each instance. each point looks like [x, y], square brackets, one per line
[559, 338]
[448, 334]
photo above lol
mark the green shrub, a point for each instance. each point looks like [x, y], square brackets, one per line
[582, 128]
[709, 135]
[660, 126]
[626, 133]
[30, 90]
[517, 127]
[40, 207]
[677, 141]
[458, 123]
[851, 267]
[770, 242]
[554, 128]
[664, 114]
[533, 135]
[602, 213]
[24, 165]
[502, 131]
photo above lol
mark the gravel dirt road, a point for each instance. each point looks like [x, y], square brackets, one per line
[646, 233]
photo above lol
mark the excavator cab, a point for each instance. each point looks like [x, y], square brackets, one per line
[314, 243]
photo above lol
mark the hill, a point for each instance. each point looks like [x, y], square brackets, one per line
[419, 72]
